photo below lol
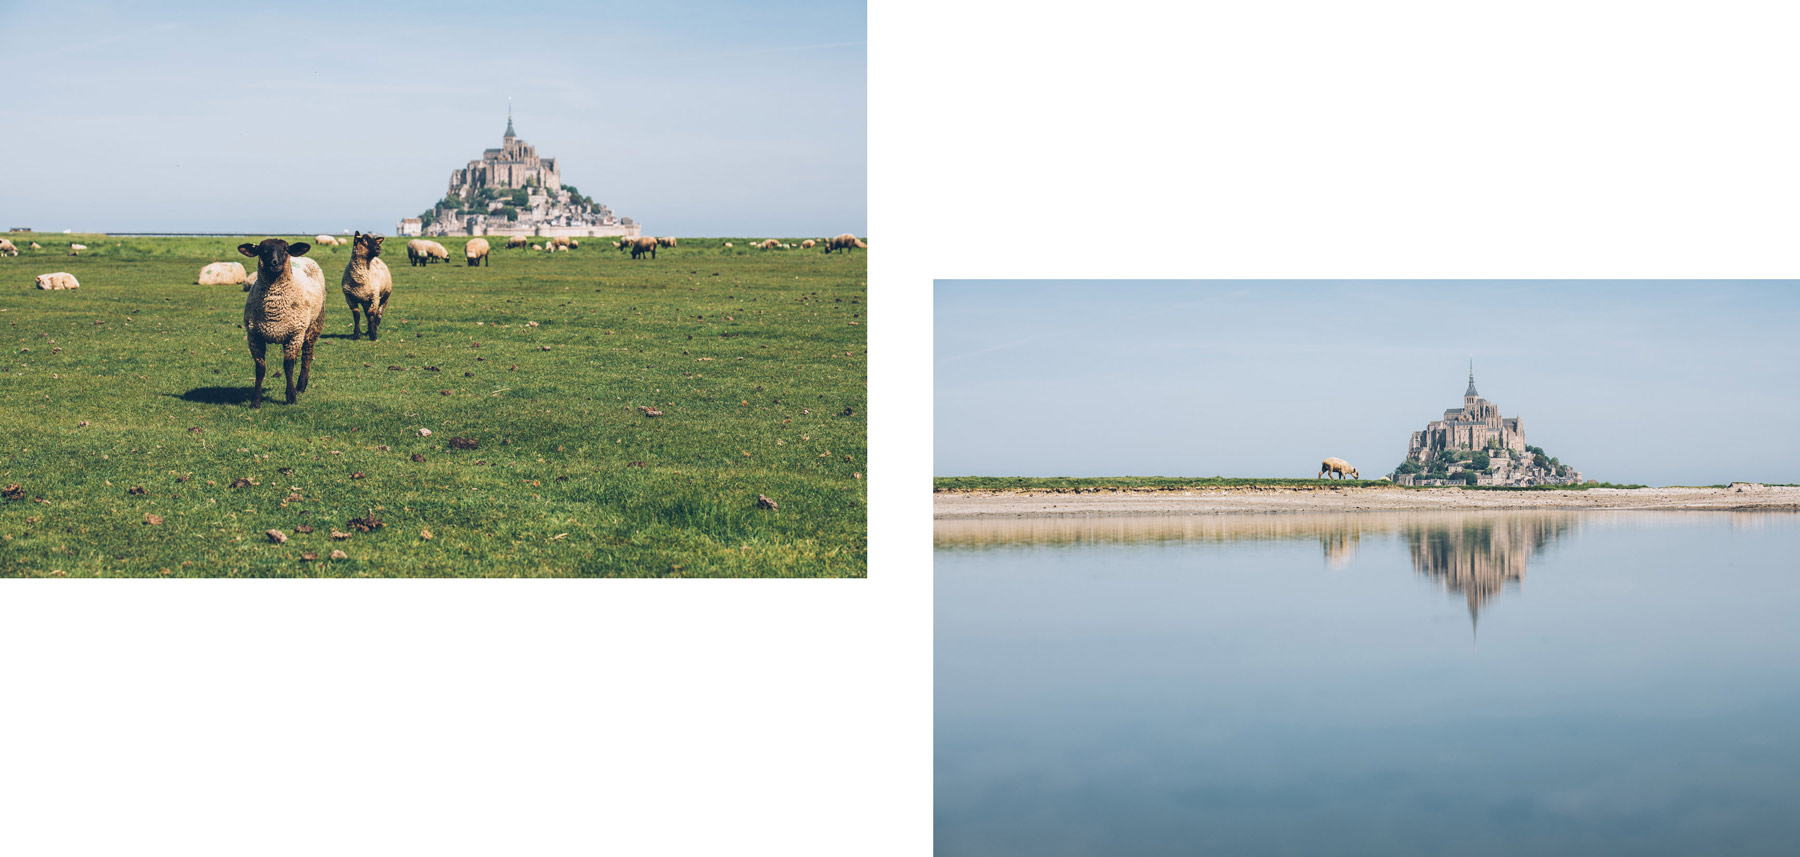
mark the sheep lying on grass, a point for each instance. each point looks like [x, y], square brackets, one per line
[366, 284]
[639, 246]
[7, 248]
[222, 274]
[845, 241]
[36, 246]
[75, 249]
[476, 251]
[57, 282]
[728, 245]
[286, 306]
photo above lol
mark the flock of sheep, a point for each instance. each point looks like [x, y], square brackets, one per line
[285, 303]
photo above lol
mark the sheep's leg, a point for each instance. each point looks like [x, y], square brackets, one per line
[306, 351]
[256, 353]
[355, 323]
[375, 313]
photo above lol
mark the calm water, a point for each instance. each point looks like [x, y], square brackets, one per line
[1442, 683]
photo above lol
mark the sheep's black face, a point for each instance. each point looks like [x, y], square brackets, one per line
[370, 244]
[273, 253]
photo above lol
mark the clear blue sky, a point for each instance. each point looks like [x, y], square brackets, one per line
[1655, 382]
[695, 118]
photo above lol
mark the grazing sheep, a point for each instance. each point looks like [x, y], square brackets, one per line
[845, 241]
[665, 242]
[421, 252]
[807, 244]
[222, 274]
[560, 241]
[574, 245]
[476, 251]
[57, 281]
[75, 249]
[639, 246]
[7, 248]
[1339, 467]
[287, 307]
[366, 284]
[516, 241]
[768, 244]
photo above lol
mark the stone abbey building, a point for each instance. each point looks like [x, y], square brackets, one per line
[1448, 448]
[512, 191]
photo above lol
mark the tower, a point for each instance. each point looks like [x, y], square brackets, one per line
[510, 136]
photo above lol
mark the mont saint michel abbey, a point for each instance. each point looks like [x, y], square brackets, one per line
[1476, 439]
[512, 191]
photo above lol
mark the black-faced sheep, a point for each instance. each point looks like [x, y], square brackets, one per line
[75, 249]
[222, 274]
[1338, 467]
[639, 246]
[476, 251]
[665, 242]
[845, 241]
[420, 252]
[367, 284]
[58, 281]
[7, 248]
[517, 241]
[286, 306]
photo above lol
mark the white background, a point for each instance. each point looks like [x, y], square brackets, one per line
[1372, 139]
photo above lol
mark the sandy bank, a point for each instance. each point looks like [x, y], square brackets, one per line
[1243, 501]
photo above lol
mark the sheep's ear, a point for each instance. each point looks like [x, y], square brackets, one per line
[378, 239]
[299, 249]
[248, 250]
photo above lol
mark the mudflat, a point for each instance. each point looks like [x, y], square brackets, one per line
[1256, 500]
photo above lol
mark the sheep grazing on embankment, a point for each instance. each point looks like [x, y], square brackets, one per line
[1337, 467]
[286, 307]
[845, 241]
[7, 248]
[75, 249]
[222, 274]
[517, 241]
[476, 252]
[639, 246]
[59, 281]
[366, 284]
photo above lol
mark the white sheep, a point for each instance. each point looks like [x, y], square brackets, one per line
[75, 249]
[57, 282]
[366, 284]
[286, 306]
[476, 251]
[844, 242]
[326, 240]
[7, 248]
[222, 274]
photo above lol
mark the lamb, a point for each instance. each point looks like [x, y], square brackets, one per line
[476, 251]
[366, 284]
[516, 241]
[537, 246]
[57, 282]
[286, 306]
[7, 248]
[222, 274]
[639, 246]
[1338, 467]
[75, 249]
[844, 242]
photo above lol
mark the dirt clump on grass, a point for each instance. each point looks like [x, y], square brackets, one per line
[464, 443]
[365, 524]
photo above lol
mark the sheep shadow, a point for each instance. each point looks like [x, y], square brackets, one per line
[218, 395]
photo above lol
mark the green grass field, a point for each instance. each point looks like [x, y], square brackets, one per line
[1183, 483]
[125, 402]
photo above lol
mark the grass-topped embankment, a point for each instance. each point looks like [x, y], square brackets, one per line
[1185, 483]
[123, 404]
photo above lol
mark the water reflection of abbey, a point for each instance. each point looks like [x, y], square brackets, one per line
[1478, 557]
